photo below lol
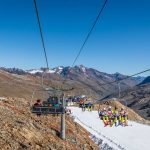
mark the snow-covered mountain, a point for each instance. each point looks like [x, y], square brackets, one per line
[89, 77]
[36, 71]
[70, 72]
[56, 70]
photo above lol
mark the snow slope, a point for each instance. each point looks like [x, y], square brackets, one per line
[133, 137]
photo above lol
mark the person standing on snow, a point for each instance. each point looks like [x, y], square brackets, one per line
[116, 115]
[89, 106]
[110, 116]
[105, 117]
[83, 106]
[123, 117]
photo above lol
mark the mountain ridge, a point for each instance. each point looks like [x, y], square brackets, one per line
[62, 70]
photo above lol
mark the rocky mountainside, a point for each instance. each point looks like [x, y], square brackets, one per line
[14, 70]
[137, 98]
[145, 81]
[95, 80]
[20, 129]
[92, 79]
[81, 81]
[84, 80]
[15, 85]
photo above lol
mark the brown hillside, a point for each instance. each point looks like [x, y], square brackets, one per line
[20, 129]
[13, 85]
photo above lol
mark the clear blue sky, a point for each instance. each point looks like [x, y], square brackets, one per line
[120, 41]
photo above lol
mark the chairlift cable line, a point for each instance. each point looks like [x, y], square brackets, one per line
[105, 98]
[89, 33]
[43, 43]
[41, 34]
[86, 39]
[109, 83]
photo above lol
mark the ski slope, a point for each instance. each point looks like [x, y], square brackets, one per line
[133, 137]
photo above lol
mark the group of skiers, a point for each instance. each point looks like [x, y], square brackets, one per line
[114, 116]
[86, 105]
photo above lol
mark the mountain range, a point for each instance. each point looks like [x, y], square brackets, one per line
[80, 80]
[137, 98]
[89, 77]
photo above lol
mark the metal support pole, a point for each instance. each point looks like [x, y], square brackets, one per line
[63, 136]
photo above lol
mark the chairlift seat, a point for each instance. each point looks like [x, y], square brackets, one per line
[46, 110]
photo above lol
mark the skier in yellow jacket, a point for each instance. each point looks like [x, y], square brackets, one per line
[105, 117]
[116, 116]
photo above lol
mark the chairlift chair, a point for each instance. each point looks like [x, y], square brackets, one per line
[51, 102]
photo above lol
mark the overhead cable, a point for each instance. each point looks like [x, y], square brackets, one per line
[41, 34]
[89, 33]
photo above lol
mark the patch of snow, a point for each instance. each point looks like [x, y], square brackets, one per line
[83, 68]
[51, 71]
[40, 71]
[35, 71]
[60, 68]
[133, 137]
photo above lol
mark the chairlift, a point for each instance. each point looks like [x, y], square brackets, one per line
[49, 101]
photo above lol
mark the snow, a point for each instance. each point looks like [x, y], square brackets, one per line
[35, 71]
[83, 68]
[133, 137]
[51, 71]
[40, 71]
[60, 68]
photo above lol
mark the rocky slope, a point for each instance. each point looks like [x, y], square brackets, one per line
[87, 80]
[20, 129]
[15, 85]
[137, 98]
[80, 80]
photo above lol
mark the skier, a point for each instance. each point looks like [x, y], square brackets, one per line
[80, 103]
[115, 114]
[110, 116]
[89, 106]
[125, 118]
[122, 118]
[83, 106]
[100, 114]
[105, 117]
